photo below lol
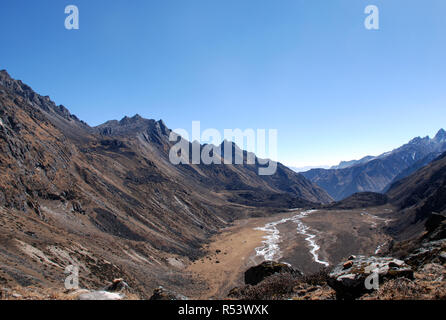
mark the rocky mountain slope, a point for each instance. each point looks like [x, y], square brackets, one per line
[375, 174]
[413, 168]
[418, 196]
[108, 199]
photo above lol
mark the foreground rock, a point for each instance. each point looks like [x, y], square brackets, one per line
[349, 278]
[429, 284]
[285, 285]
[258, 273]
[429, 252]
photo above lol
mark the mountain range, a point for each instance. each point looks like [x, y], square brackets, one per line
[377, 174]
[108, 196]
[109, 200]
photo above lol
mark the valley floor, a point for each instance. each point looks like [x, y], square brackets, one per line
[229, 254]
[338, 233]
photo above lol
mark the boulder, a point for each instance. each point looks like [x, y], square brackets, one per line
[257, 274]
[348, 279]
[118, 285]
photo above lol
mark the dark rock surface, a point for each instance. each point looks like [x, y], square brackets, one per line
[360, 200]
[257, 274]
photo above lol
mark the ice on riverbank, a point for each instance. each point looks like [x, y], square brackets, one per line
[271, 249]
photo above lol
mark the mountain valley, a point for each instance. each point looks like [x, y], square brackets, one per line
[108, 200]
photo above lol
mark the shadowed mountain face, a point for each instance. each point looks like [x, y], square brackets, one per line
[418, 196]
[109, 195]
[375, 174]
[233, 178]
[360, 200]
[413, 168]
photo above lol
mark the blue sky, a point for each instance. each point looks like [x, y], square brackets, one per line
[308, 68]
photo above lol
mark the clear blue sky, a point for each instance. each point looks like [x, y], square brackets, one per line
[334, 90]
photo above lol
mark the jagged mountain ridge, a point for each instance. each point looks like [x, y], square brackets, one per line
[375, 174]
[244, 178]
[351, 163]
[110, 196]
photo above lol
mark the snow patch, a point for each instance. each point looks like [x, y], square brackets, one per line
[64, 256]
[136, 257]
[176, 263]
[186, 209]
[379, 248]
[35, 253]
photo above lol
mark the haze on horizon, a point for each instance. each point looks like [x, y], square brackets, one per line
[333, 90]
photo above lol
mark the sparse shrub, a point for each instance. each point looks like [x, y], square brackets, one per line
[280, 286]
[319, 278]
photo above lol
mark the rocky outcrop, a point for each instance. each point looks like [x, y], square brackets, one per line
[429, 284]
[285, 286]
[429, 252]
[258, 273]
[349, 278]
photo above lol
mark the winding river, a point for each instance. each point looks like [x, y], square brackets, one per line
[271, 249]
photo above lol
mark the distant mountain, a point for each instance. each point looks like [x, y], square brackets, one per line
[307, 168]
[375, 174]
[109, 197]
[348, 164]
